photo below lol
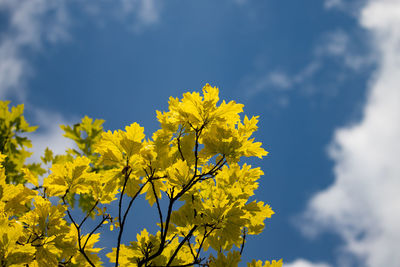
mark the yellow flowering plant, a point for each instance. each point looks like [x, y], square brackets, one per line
[189, 171]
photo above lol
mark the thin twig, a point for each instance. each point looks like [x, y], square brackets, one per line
[181, 244]
[158, 208]
[206, 235]
[95, 229]
[88, 214]
[127, 171]
[163, 237]
[178, 139]
[243, 241]
[78, 230]
[122, 223]
[191, 249]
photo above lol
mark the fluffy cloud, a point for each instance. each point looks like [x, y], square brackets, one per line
[346, 49]
[49, 134]
[135, 14]
[305, 263]
[348, 6]
[362, 205]
[341, 46]
[12, 68]
[30, 25]
[145, 11]
[279, 83]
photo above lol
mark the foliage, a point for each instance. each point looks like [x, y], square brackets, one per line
[12, 144]
[193, 160]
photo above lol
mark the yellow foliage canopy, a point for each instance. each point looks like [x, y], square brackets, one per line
[194, 159]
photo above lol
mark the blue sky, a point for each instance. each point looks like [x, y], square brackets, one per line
[322, 75]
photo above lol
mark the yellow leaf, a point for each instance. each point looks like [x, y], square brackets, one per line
[179, 174]
[259, 263]
[30, 177]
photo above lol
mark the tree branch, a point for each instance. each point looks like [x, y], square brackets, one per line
[178, 139]
[158, 208]
[163, 237]
[88, 214]
[78, 230]
[187, 237]
[126, 171]
[244, 240]
[122, 223]
[206, 234]
[95, 229]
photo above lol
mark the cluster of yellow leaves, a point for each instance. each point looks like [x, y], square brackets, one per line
[146, 244]
[259, 263]
[222, 131]
[32, 230]
[194, 159]
[75, 177]
[194, 156]
[13, 144]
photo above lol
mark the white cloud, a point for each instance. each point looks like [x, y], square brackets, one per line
[333, 3]
[141, 12]
[12, 69]
[341, 46]
[337, 43]
[362, 205]
[276, 80]
[305, 263]
[279, 80]
[32, 24]
[279, 83]
[29, 25]
[348, 6]
[148, 12]
[49, 134]
[276, 83]
[136, 15]
[307, 72]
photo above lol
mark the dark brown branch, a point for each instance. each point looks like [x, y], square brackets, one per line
[178, 139]
[172, 239]
[191, 249]
[206, 234]
[163, 237]
[78, 230]
[200, 177]
[158, 208]
[122, 223]
[126, 171]
[88, 214]
[186, 188]
[126, 177]
[187, 237]
[196, 149]
[243, 241]
[95, 229]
